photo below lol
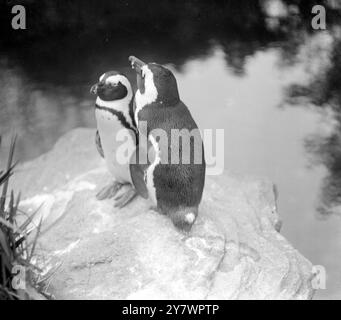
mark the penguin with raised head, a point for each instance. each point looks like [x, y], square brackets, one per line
[175, 188]
[114, 114]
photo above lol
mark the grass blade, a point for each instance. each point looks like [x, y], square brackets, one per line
[9, 166]
[23, 227]
[3, 243]
[35, 239]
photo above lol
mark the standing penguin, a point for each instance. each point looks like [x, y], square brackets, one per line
[114, 113]
[175, 188]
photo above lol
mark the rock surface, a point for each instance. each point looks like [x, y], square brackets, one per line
[234, 250]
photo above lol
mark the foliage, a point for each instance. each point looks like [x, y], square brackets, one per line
[15, 249]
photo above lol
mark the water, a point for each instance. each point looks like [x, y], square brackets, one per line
[240, 85]
[266, 138]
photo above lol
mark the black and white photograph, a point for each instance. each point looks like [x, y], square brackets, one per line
[187, 152]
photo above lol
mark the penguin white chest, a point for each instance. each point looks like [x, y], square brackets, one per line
[118, 144]
[150, 171]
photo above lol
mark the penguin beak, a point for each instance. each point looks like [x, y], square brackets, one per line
[93, 89]
[136, 64]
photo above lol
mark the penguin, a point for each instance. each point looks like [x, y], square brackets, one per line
[114, 114]
[174, 188]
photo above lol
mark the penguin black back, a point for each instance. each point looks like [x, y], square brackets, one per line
[165, 84]
[178, 185]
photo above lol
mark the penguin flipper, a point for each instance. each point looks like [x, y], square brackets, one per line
[139, 163]
[98, 144]
[137, 178]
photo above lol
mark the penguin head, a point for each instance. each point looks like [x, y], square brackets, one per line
[156, 82]
[112, 86]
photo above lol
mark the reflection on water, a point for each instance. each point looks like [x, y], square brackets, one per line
[264, 136]
[323, 92]
[277, 96]
[38, 113]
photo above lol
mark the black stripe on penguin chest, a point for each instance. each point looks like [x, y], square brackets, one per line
[120, 116]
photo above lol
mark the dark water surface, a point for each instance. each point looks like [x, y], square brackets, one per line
[275, 91]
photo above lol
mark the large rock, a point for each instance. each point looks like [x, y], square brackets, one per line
[234, 250]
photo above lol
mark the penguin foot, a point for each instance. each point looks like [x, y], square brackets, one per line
[124, 198]
[109, 191]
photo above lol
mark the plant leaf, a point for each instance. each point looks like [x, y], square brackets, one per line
[9, 169]
[8, 224]
[35, 239]
[23, 227]
[4, 243]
